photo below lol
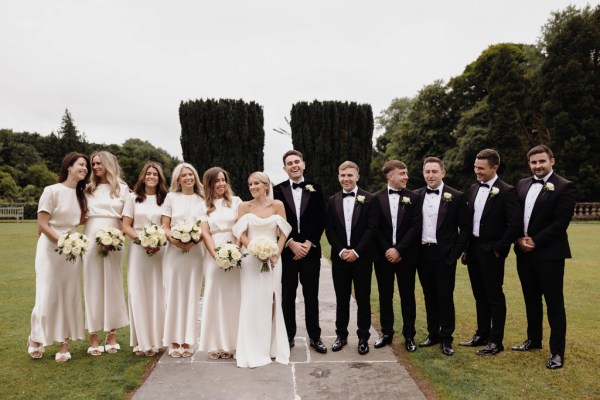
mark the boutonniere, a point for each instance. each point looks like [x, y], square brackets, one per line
[406, 201]
[548, 187]
[447, 197]
[360, 199]
[310, 188]
[494, 191]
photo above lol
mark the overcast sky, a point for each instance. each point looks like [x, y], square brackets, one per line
[122, 67]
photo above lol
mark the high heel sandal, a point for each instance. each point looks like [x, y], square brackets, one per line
[111, 348]
[62, 357]
[137, 351]
[35, 352]
[214, 355]
[175, 352]
[186, 352]
[95, 350]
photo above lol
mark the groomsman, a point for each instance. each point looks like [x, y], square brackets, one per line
[548, 201]
[397, 252]
[496, 214]
[444, 237]
[350, 227]
[301, 257]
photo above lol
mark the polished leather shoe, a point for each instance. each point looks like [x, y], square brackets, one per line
[318, 345]
[363, 346]
[292, 342]
[429, 342]
[475, 341]
[491, 349]
[338, 344]
[555, 361]
[410, 345]
[447, 349]
[383, 340]
[526, 346]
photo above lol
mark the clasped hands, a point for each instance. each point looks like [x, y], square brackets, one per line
[300, 250]
[526, 244]
[393, 256]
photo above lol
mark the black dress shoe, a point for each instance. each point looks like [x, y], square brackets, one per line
[410, 345]
[491, 349]
[447, 349]
[429, 342]
[526, 346]
[318, 345]
[383, 340]
[292, 342]
[475, 341]
[363, 346]
[555, 361]
[338, 344]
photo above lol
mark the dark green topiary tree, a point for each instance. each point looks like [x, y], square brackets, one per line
[225, 133]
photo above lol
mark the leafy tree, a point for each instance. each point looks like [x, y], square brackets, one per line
[40, 176]
[330, 132]
[225, 133]
[9, 190]
[69, 139]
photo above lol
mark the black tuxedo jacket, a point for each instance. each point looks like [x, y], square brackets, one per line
[550, 217]
[501, 220]
[364, 226]
[452, 216]
[408, 225]
[312, 214]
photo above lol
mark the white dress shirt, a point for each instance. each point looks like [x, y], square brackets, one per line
[394, 204]
[480, 200]
[532, 195]
[297, 195]
[431, 207]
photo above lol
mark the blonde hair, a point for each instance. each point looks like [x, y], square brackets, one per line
[113, 173]
[176, 186]
[348, 164]
[209, 179]
[263, 178]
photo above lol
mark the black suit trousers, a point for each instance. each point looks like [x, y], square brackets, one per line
[344, 276]
[544, 278]
[486, 272]
[308, 270]
[405, 273]
[437, 280]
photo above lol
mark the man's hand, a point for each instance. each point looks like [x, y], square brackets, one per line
[393, 256]
[526, 244]
[349, 256]
[300, 250]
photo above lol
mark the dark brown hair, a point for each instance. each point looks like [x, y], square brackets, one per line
[140, 186]
[208, 180]
[67, 162]
[434, 160]
[392, 165]
[490, 155]
[292, 153]
[540, 149]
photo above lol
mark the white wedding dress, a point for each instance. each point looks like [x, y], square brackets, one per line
[261, 333]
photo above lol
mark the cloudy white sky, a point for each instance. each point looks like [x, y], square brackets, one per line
[123, 66]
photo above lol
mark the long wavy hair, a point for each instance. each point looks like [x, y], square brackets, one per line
[176, 186]
[140, 186]
[68, 161]
[113, 174]
[209, 179]
[263, 178]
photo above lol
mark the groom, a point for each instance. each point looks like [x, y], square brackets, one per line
[301, 257]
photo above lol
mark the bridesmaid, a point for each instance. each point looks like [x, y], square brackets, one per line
[103, 276]
[221, 301]
[182, 263]
[144, 273]
[57, 314]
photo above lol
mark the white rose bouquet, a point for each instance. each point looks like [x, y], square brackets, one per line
[229, 256]
[151, 238]
[263, 248]
[187, 232]
[109, 239]
[73, 244]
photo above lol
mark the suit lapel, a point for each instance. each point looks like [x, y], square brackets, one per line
[442, 210]
[401, 210]
[542, 198]
[289, 197]
[339, 208]
[357, 208]
[385, 207]
[304, 201]
[490, 199]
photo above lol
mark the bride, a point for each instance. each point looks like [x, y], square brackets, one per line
[261, 332]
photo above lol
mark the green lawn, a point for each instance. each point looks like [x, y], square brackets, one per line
[512, 375]
[83, 377]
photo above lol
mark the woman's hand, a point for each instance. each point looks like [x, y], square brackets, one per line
[274, 260]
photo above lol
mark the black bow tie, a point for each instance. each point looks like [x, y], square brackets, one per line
[481, 184]
[298, 185]
[436, 191]
[535, 180]
[392, 191]
[347, 194]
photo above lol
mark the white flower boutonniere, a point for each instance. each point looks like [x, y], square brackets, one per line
[447, 197]
[360, 199]
[494, 191]
[549, 187]
[310, 188]
[406, 200]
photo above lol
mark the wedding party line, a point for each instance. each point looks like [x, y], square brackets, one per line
[249, 257]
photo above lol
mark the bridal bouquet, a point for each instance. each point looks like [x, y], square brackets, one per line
[73, 244]
[263, 248]
[152, 237]
[186, 232]
[109, 239]
[229, 256]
